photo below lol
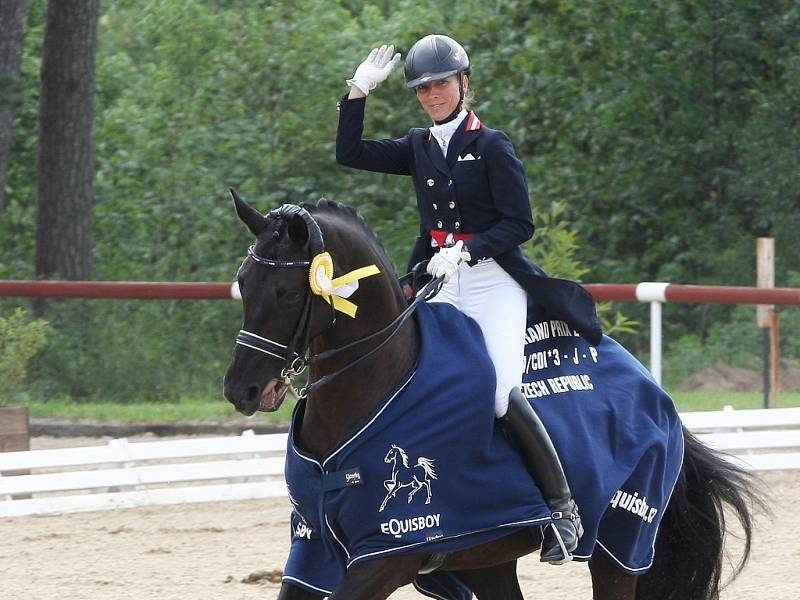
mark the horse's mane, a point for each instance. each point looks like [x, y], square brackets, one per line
[349, 214]
[403, 454]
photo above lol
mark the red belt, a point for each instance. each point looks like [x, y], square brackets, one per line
[445, 238]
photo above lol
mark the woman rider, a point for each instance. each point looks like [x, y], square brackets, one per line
[474, 209]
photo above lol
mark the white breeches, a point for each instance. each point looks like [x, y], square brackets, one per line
[489, 295]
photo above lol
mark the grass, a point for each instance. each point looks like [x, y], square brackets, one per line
[187, 409]
[716, 400]
[217, 409]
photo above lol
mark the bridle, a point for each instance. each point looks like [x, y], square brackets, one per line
[294, 352]
[294, 362]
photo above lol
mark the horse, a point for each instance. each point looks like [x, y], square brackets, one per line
[294, 316]
[408, 478]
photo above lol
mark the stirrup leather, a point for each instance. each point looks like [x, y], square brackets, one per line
[569, 515]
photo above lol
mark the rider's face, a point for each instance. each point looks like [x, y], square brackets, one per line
[440, 98]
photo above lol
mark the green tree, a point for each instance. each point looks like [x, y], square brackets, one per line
[20, 339]
[658, 140]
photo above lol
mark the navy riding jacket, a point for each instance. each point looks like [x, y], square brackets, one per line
[480, 189]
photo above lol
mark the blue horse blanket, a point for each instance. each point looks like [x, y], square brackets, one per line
[429, 472]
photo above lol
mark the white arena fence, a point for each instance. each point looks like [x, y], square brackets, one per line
[122, 474]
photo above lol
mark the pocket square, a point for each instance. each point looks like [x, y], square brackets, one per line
[467, 156]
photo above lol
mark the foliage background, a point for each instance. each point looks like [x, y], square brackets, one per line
[660, 139]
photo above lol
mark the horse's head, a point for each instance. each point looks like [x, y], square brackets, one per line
[281, 314]
[291, 297]
[394, 451]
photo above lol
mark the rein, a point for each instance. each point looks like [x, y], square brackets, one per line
[296, 363]
[429, 291]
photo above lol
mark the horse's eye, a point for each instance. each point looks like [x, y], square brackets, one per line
[293, 296]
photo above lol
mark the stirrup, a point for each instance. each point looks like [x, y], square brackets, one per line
[573, 520]
[566, 555]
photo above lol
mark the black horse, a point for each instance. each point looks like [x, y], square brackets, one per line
[355, 363]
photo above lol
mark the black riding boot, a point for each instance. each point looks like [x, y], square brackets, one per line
[522, 425]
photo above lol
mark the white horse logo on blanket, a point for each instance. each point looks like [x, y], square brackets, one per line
[415, 477]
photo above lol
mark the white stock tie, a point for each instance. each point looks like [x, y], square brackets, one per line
[443, 133]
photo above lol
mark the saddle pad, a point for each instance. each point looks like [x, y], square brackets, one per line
[617, 432]
[431, 473]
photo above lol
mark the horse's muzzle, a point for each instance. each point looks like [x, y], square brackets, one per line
[245, 400]
[253, 397]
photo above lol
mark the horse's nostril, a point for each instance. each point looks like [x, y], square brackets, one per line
[253, 393]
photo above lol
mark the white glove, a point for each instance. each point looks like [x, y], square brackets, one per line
[445, 263]
[378, 66]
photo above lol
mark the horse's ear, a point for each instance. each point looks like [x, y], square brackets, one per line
[255, 221]
[298, 230]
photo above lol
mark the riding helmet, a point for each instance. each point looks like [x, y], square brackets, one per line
[434, 57]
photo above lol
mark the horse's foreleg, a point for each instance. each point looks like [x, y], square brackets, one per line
[609, 582]
[494, 583]
[292, 592]
[389, 496]
[377, 579]
[392, 494]
[385, 500]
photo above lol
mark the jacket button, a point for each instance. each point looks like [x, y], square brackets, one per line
[435, 207]
[452, 204]
[430, 182]
[439, 224]
[458, 225]
[450, 182]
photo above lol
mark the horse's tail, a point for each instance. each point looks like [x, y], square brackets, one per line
[689, 549]
[427, 466]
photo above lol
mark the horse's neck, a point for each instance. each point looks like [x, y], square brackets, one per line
[341, 407]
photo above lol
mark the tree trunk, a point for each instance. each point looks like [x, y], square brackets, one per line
[66, 141]
[12, 35]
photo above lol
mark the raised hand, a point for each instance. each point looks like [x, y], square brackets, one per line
[378, 65]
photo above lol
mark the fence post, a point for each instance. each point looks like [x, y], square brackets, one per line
[775, 364]
[767, 318]
[655, 341]
[14, 429]
[656, 294]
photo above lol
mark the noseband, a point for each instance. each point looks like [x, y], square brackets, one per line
[296, 362]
